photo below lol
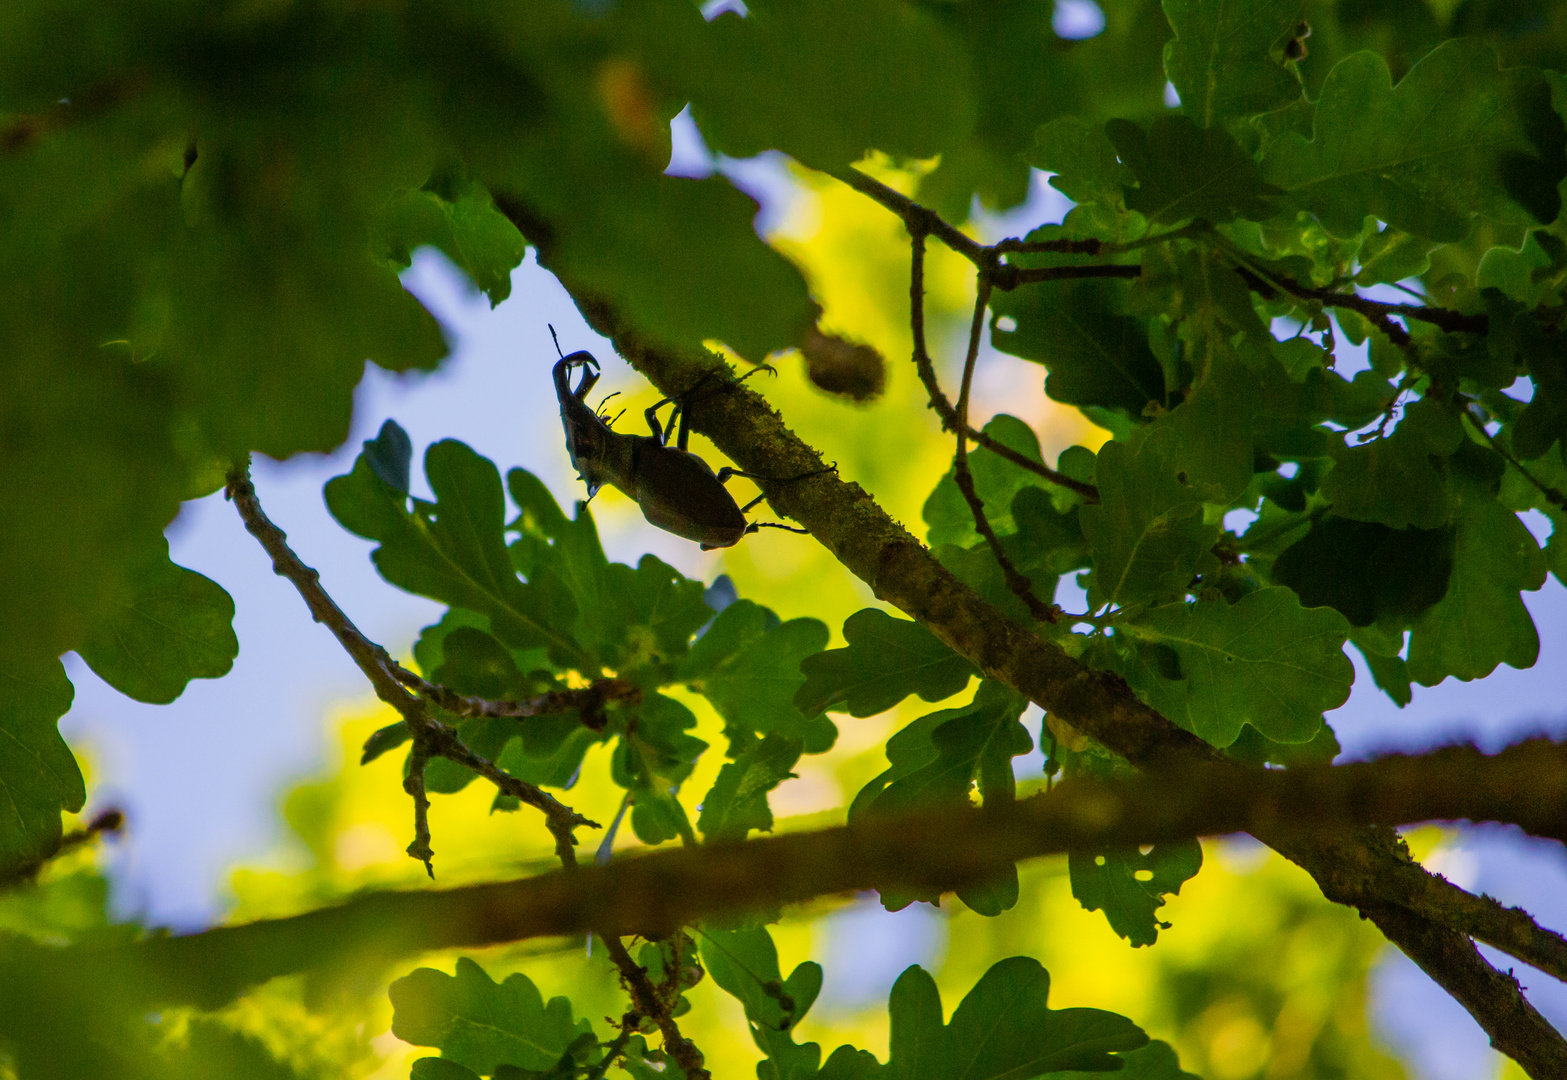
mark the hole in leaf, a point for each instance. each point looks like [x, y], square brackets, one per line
[1006, 324]
[1099, 860]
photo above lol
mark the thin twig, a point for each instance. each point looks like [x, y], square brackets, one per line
[915, 216]
[929, 222]
[630, 1020]
[645, 999]
[589, 701]
[431, 737]
[1010, 277]
[108, 821]
[1100, 247]
[413, 784]
[938, 400]
[1019, 584]
[1089, 492]
[1552, 495]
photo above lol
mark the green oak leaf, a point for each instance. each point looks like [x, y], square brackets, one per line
[1482, 621]
[1532, 275]
[744, 963]
[1205, 442]
[1097, 355]
[1114, 882]
[1388, 670]
[1264, 660]
[748, 665]
[1156, 1061]
[1368, 572]
[657, 816]
[1400, 479]
[1392, 255]
[656, 741]
[850, 1063]
[1184, 171]
[1254, 748]
[737, 801]
[1226, 59]
[168, 626]
[996, 481]
[481, 1024]
[658, 603]
[1455, 138]
[549, 750]
[1048, 543]
[457, 216]
[473, 662]
[975, 742]
[1083, 159]
[1003, 1029]
[1147, 533]
[39, 776]
[826, 82]
[1543, 422]
[454, 550]
[938, 758]
[885, 660]
[384, 739]
[390, 455]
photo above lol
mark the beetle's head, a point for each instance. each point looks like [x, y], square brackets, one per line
[590, 373]
[587, 436]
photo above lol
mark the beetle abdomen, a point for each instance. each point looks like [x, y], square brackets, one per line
[679, 493]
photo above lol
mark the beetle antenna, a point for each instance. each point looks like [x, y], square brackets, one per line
[556, 340]
[615, 393]
[611, 423]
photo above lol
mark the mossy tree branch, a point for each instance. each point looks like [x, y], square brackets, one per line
[1363, 868]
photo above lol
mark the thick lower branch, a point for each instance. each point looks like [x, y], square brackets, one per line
[939, 849]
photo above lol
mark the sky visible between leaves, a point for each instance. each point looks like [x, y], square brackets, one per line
[200, 778]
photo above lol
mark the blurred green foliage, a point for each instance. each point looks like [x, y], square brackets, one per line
[206, 207]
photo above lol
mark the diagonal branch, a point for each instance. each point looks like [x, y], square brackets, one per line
[1361, 868]
[435, 739]
[431, 737]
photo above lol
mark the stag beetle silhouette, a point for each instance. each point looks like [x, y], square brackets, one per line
[676, 490]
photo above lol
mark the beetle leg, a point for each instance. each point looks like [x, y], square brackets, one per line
[660, 430]
[729, 471]
[756, 525]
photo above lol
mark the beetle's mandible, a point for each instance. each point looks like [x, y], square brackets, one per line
[676, 489]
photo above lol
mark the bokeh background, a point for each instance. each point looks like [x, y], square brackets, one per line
[244, 797]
